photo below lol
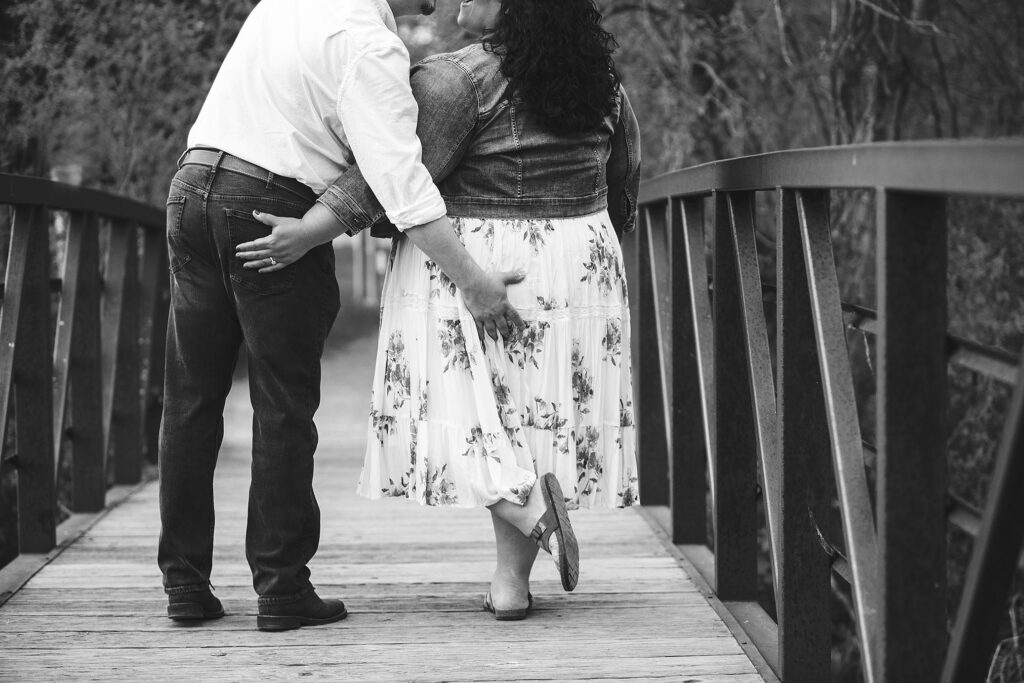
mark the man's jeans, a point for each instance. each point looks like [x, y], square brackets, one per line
[282, 320]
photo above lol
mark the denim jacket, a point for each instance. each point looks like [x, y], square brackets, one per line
[491, 159]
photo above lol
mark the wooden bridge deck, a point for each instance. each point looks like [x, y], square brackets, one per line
[413, 580]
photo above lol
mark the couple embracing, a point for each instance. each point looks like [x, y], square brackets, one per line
[505, 173]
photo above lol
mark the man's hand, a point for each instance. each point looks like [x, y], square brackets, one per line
[288, 241]
[488, 303]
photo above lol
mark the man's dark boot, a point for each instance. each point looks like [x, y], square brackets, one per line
[194, 606]
[309, 610]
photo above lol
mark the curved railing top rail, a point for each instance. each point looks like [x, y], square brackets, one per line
[988, 167]
[15, 189]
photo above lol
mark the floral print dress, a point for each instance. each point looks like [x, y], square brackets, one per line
[456, 422]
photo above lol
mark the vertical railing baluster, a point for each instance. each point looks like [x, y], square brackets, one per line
[33, 383]
[126, 422]
[651, 425]
[88, 479]
[119, 316]
[803, 577]
[911, 485]
[995, 554]
[691, 350]
[735, 472]
[64, 333]
[757, 363]
[153, 324]
[844, 428]
[14, 280]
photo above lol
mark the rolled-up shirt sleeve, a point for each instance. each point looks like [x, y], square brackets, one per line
[448, 109]
[377, 111]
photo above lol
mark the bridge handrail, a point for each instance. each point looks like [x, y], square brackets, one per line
[701, 351]
[979, 167]
[82, 371]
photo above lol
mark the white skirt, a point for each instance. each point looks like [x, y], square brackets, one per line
[454, 422]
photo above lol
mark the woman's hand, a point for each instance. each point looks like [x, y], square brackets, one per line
[287, 243]
[487, 301]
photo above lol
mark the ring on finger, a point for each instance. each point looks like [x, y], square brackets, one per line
[272, 261]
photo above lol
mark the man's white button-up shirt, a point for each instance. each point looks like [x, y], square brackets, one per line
[311, 87]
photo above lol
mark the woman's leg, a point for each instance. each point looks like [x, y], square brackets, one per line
[544, 520]
[516, 553]
[522, 517]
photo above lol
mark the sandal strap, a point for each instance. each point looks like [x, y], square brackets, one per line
[546, 526]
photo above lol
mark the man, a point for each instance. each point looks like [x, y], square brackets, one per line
[307, 89]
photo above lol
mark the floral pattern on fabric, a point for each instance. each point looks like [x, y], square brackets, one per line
[602, 267]
[453, 346]
[526, 348]
[457, 421]
[582, 381]
[439, 489]
[396, 371]
[439, 282]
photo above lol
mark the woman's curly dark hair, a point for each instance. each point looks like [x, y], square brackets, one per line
[558, 61]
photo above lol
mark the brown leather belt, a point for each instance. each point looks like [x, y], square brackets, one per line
[214, 158]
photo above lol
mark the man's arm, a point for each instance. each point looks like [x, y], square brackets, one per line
[446, 117]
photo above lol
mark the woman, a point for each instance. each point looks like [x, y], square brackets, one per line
[535, 149]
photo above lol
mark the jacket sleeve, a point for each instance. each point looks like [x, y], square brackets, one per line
[623, 170]
[448, 112]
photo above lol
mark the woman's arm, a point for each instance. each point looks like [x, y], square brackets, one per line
[623, 170]
[447, 115]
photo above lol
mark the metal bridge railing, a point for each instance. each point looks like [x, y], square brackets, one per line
[81, 354]
[722, 417]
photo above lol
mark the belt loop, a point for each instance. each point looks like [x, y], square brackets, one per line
[270, 179]
[182, 157]
[220, 157]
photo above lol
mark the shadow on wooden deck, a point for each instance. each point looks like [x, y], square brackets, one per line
[413, 579]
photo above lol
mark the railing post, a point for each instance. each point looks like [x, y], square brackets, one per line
[691, 373]
[155, 300]
[121, 355]
[651, 423]
[735, 472]
[803, 579]
[911, 485]
[82, 276]
[33, 383]
[847, 446]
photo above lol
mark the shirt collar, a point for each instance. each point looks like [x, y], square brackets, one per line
[386, 14]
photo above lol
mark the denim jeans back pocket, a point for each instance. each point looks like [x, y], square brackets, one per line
[175, 209]
[242, 227]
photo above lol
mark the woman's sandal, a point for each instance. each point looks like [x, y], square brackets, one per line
[555, 520]
[508, 614]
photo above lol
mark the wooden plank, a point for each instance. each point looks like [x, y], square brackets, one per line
[910, 633]
[385, 662]
[412, 577]
[17, 573]
[735, 472]
[803, 606]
